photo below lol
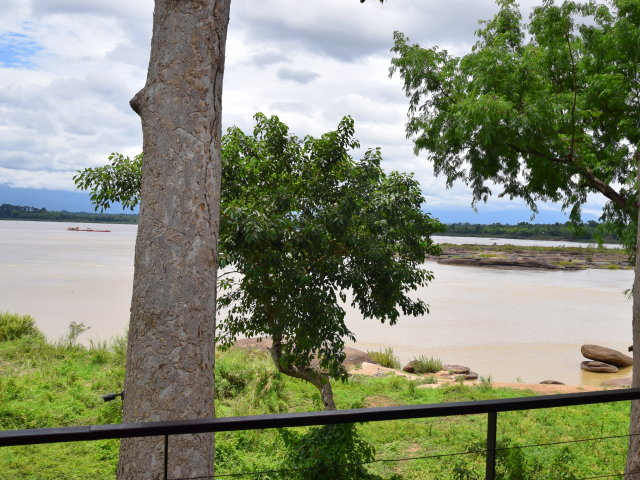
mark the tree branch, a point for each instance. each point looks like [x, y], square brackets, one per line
[587, 174]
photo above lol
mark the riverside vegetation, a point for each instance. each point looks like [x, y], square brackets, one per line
[50, 384]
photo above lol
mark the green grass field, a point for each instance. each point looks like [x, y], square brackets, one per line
[45, 385]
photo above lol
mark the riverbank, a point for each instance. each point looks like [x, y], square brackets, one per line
[49, 385]
[548, 258]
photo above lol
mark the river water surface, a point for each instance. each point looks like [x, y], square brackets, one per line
[515, 325]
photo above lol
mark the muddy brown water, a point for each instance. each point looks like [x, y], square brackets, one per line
[515, 325]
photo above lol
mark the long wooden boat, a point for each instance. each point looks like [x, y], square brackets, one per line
[78, 229]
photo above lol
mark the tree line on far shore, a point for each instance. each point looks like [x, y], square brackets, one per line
[20, 212]
[590, 231]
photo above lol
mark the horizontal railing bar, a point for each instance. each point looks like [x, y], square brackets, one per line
[256, 422]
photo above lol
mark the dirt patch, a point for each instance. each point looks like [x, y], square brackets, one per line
[378, 401]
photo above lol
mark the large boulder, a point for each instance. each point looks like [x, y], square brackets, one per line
[353, 356]
[606, 355]
[599, 367]
[409, 367]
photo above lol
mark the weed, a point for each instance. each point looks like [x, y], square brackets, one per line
[14, 326]
[486, 381]
[385, 358]
[423, 364]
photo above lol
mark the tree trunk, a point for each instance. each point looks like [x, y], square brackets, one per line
[170, 354]
[317, 379]
[633, 454]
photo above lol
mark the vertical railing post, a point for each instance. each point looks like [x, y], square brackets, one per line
[492, 422]
[166, 456]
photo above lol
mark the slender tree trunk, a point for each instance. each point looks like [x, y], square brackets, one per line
[633, 455]
[317, 379]
[171, 332]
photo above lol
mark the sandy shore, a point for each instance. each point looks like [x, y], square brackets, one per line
[443, 378]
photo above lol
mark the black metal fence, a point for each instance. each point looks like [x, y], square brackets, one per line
[489, 407]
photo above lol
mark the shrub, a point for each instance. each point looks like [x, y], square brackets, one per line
[14, 326]
[330, 452]
[423, 364]
[385, 358]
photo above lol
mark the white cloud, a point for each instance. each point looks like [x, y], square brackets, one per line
[310, 62]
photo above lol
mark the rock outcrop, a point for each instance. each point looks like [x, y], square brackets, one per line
[353, 356]
[409, 367]
[606, 355]
[599, 367]
[457, 369]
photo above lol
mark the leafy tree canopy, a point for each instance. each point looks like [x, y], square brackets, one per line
[303, 228]
[549, 111]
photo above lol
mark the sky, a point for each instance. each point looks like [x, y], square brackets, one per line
[69, 67]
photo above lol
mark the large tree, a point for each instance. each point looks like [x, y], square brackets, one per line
[172, 325]
[548, 111]
[304, 227]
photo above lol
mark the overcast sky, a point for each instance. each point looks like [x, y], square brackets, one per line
[69, 67]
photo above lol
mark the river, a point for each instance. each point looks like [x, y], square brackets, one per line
[515, 325]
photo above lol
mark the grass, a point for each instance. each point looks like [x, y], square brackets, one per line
[385, 358]
[44, 385]
[423, 364]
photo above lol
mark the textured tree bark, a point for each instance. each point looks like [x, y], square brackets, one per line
[633, 454]
[172, 328]
[317, 379]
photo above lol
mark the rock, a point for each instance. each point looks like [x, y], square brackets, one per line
[551, 382]
[471, 376]
[606, 355]
[353, 356]
[457, 369]
[599, 367]
[409, 367]
[617, 382]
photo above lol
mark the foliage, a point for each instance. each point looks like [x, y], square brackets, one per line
[47, 385]
[74, 330]
[14, 326]
[17, 212]
[550, 111]
[422, 364]
[332, 452]
[515, 463]
[303, 226]
[590, 231]
[385, 358]
[249, 375]
[117, 181]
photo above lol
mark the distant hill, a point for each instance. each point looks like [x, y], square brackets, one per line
[52, 200]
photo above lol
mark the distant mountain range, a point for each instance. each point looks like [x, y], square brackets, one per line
[54, 200]
[58, 200]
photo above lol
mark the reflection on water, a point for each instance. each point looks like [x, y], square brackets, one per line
[510, 324]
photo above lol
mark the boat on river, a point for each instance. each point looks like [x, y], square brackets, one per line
[78, 229]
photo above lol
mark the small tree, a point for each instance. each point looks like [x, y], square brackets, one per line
[550, 112]
[303, 228]
[307, 227]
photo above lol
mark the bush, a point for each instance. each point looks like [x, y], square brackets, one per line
[14, 326]
[250, 374]
[423, 364]
[330, 452]
[385, 358]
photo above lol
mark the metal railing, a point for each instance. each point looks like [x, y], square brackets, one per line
[256, 422]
